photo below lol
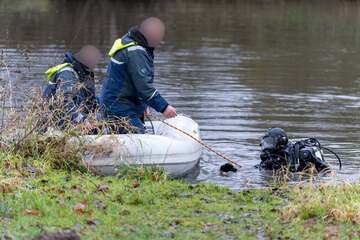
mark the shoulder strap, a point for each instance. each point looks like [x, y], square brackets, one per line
[293, 154]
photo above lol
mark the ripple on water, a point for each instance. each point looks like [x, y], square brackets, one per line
[236, 82]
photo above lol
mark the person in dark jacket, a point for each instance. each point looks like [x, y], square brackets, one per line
[71, 86]
[128, 87]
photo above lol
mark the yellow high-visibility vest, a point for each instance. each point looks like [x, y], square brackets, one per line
[118, 45]
[53, 70]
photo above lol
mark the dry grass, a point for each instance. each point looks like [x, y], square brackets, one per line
[331, 203]
[26, 149]
[29, 156]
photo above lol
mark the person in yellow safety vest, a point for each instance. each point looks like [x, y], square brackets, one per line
[128, 87]
[71, 86]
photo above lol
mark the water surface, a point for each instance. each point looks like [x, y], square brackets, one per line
[236, 67]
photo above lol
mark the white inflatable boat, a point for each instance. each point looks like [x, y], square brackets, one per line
[168, 148]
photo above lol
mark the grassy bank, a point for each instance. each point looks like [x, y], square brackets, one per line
[134, 207]
[44, 191]
[145, 204]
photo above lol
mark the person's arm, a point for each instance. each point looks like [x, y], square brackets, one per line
[68, 88]
[142, 72]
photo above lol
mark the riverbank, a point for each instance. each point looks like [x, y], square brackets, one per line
[145, 204]
[44, 190]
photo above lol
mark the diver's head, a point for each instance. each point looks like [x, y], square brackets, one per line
[275, 140]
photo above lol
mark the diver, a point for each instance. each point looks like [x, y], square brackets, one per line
[278, 152]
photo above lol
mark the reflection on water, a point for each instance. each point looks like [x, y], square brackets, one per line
[237, 67]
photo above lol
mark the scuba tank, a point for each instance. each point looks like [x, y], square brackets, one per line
[304, 153]
[277, 151]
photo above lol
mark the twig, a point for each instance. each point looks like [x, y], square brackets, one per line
[30, 132]
[206, 146]
[10, 83]
[2, 115]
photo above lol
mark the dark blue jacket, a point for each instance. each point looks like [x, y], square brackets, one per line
[128, 86]
[76, 84]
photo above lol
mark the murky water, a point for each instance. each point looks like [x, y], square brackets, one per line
[237, 67]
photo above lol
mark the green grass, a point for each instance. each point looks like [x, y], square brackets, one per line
[43, 189]
[131, 208]
[145, 205]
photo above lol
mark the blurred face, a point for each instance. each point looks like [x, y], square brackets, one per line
[154, 31]
[90, 57]
[155, 35]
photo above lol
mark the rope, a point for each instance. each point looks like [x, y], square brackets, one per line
[203, 144]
